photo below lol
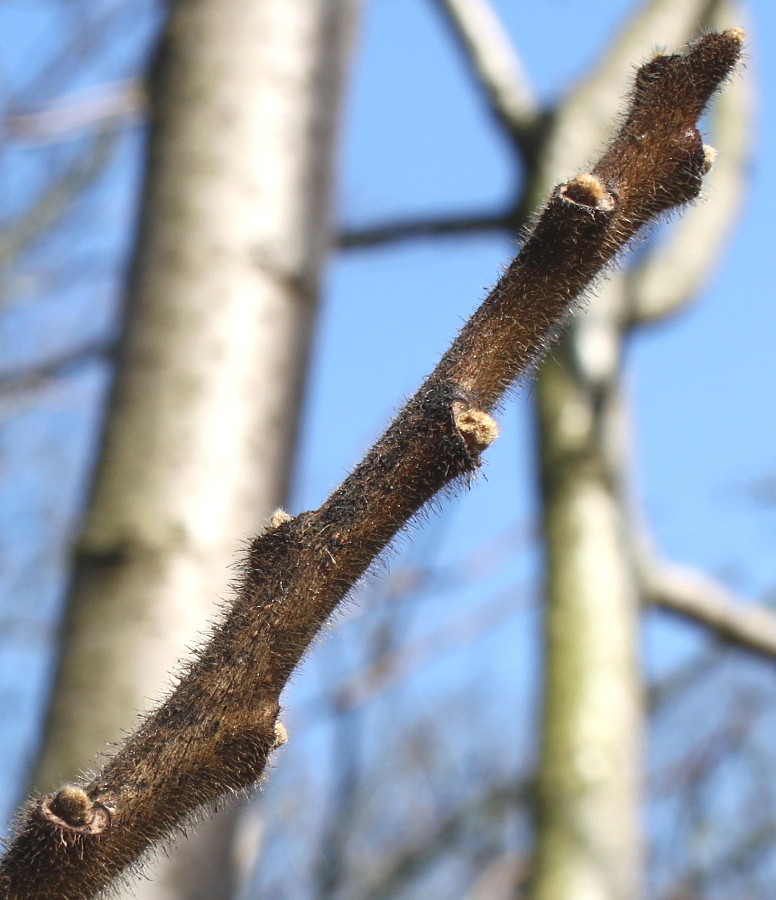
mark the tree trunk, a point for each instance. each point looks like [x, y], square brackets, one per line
[200, 431]
[588, 790]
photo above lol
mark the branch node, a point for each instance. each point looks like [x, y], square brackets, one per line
[72, 808]
[477, 429]
[588, 190]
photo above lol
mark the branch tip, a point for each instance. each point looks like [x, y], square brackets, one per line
[736, 34]
[278, 518]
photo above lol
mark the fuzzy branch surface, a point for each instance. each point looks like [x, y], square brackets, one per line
[216, 730]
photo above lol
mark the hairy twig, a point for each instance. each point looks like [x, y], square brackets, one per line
[584, 117]
[215, 732]
[670, 274]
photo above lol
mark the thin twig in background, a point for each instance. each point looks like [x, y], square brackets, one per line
[491, 55]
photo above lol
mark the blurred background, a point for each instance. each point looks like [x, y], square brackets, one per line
[228, 256]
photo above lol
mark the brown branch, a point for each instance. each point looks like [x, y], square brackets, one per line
[215, 732]
[575, 128]
[55, 198]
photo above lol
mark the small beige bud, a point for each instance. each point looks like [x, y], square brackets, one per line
[281, 735]
[737, 33]
[709, 156]
[477, 429]
[71, 803]
[278, 518]
[588, 190]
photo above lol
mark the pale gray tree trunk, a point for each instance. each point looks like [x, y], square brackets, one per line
[588, 789]
[200, 429]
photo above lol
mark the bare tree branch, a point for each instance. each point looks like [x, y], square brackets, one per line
[693, 596]
[83, 110]
[215, 732]
[40, 375]
[496, 801]
[576, 124]
[55, 198]
[491, 56]
[459, 225]
[588, 113]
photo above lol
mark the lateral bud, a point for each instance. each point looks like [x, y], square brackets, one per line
[709, 157]
[477, 429]
[588, 190]
[71, 807]
[281, 735]
[71, 804]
